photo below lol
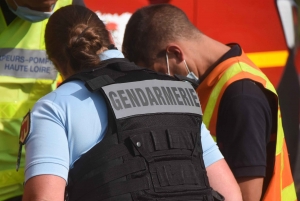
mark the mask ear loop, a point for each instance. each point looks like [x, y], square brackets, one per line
[187, 68]
[168, 67]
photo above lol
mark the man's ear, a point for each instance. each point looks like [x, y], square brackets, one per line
[176, 51]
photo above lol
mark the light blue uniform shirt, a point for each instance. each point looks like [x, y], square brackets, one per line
[69, 121]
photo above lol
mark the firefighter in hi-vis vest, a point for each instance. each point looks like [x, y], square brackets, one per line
[25, 75]
[240, 105]
[115, 131]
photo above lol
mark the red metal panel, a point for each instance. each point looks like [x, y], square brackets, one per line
[254, 24]
[297, 61]
[188, 6]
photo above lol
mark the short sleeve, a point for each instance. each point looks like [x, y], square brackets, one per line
[243, 128]
[211, 152]
[47, 145]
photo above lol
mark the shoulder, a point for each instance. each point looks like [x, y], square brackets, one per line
[70, 98]
[245, 94]
[244, 108]
[73, 91]
[244, 87]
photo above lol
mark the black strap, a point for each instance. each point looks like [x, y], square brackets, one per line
[217, 196]
[123, 65]
[96, 83]
[112, 47]
[79, 76]
[99, 76]
[194, 83]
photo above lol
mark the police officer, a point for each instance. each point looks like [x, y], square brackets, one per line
[25, 75]
[115, 131]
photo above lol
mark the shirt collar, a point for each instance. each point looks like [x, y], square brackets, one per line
[110, 54]
[235, 50]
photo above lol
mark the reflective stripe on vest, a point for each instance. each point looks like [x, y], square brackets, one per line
[281, 186]
[25, 75]
[21, 63]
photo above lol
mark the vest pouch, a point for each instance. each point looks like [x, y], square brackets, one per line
[173, 163]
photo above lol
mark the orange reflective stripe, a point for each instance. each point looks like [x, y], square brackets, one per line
[210, 92]
[208, 84]
[287, 179]
[212, 107]
[212, 121]
[281, 187]
[273, 192]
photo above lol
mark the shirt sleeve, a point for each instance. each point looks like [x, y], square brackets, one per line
[243, 129]
[211, 152]
[47, 145]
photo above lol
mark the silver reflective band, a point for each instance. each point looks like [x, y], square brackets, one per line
[22, 63]
[152, 96]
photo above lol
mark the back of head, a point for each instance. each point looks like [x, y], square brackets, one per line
[74, 36]
[150, 28]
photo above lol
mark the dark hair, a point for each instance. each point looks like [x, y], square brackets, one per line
[73, 36]
[150, 28]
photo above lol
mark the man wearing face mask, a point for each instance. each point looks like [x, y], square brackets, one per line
[240, 105]
[25, 75]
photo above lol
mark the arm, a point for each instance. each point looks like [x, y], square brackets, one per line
[243, 130]
[44, 187]
[219, 175]
[222, 180]
[251, 187]
[47, 157]
[54, 143]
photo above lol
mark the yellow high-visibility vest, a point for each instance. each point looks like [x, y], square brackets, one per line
[25, 75]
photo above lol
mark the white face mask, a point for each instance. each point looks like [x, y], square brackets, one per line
[31, 15]
[190, 74]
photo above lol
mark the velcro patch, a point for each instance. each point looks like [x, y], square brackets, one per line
[25, 128]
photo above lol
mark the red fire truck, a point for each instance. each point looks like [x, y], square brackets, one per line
[267, 31]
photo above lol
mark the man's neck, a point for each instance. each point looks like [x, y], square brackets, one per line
[208, 52]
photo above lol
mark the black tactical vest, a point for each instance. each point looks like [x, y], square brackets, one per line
[152, 149]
